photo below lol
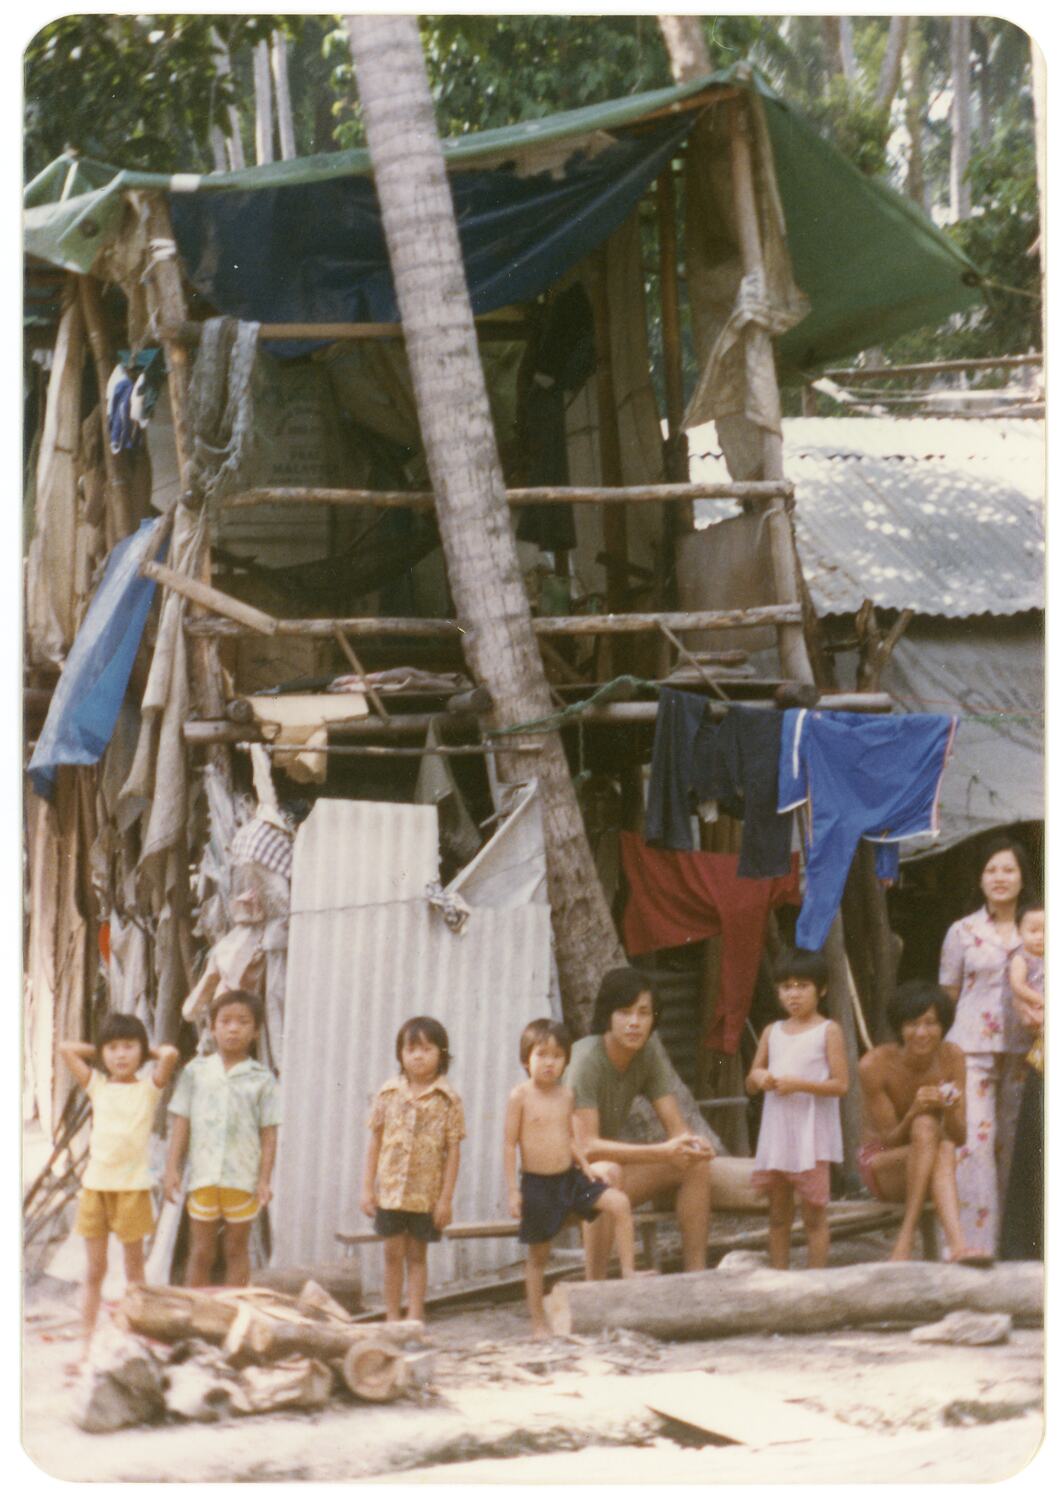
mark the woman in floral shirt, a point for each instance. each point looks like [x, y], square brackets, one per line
[973, 969]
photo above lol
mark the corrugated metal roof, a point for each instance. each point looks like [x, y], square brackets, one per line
[363, 853]
[358, 968]
[944, 517]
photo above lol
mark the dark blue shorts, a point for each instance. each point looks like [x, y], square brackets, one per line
[548, 1200]
[391, 1221]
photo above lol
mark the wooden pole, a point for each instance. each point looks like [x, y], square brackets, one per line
[210, 598]
[634, 494]
[506, 330]
[782, 548]
[415, 627]
[103, 358]
[677, 446]
[611, 463]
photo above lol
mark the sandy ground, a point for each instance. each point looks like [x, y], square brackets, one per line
[504, 1410]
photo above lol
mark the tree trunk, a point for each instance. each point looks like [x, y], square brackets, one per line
[683, 37]
[284, 118]
[461, 451]
[960, 196]
[234, 139]
[891, 67]
[847, 49]
[914, 107]
[263, 105]
[710, 1304]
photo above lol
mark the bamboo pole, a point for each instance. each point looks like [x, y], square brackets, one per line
[935, 367]
[231, 731]
[611, 463]
[677, 447]
[352, 657]
[610, 624]
[633, 494]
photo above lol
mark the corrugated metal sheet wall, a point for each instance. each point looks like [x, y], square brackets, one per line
[366, 952]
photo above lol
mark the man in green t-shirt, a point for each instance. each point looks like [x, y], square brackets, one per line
[619, 1060]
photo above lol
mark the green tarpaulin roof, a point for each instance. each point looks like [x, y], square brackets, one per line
[871, 263]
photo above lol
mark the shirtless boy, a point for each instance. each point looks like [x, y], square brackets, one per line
[914, 1093]
[556, 1182]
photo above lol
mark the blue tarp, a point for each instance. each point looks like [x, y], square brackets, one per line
[315, 252]
[86, 701]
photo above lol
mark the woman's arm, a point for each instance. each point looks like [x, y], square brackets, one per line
[833, 1087]
[443, 1212]
[77, 1056]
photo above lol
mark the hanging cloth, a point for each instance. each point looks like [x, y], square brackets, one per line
[860, 776]
[676, 898]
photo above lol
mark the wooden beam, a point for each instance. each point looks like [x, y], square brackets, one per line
[677, 446]
[633, 494]
[255, 620]
[103, 358]
[566, 625]
[611, 463]
[507, 329]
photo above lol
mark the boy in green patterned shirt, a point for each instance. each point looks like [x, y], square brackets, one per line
[226, 1111]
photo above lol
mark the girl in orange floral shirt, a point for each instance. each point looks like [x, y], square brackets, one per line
[415, 1130]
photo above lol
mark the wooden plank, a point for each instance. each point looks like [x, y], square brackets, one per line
[734, 1409]
[631, 494]
[487, 328]
[254, 620]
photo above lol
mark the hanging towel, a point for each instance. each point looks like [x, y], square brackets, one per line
[861, 776]
[676, 898]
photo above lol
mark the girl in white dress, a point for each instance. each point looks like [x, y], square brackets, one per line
[801, 1069]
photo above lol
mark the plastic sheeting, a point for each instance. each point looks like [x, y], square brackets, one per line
[519, 235]
[85, 705]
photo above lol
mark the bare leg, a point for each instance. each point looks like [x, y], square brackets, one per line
[816, 1223]
[201, 1252]
[779, 1234]
[393, 1275]
[597, 1233]
[95, 1271]
[693, 1207]
[945, 1199]
[537, 1257]
[237, 1253]
[134, 1262]
[416, 1275]
[920, 1165]
[616, 1206]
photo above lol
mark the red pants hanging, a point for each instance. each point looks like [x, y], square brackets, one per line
[676, 897]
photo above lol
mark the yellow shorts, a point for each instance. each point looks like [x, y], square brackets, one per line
[129, 1215]
[233, 1204]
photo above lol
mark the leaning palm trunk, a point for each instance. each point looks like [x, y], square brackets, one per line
[461, 451]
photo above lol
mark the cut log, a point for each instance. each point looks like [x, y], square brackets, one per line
[313, 1300]
[714, 1304]
[172, 1313]
[374, 1370]
[340, 1278]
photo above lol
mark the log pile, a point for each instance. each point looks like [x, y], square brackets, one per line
[237, 1350]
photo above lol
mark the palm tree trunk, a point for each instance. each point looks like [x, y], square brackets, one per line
[263, 105]
[891, 67]
[461, 451]
[914, 115]
[284, 118]
[960, 196]
[683, 37]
